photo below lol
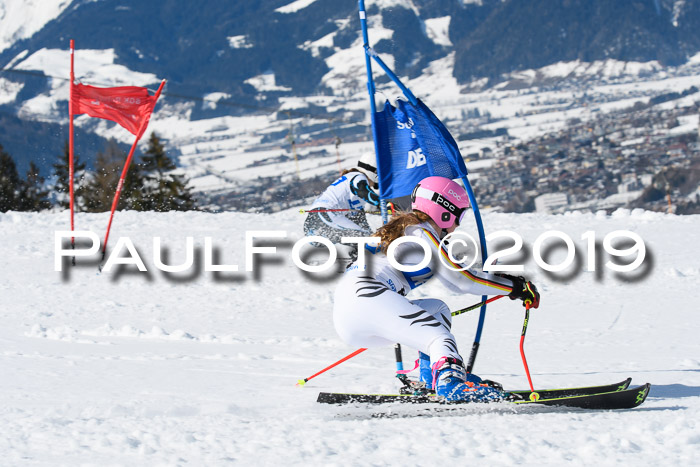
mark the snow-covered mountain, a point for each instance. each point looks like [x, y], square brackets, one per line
[245, 80]
[20, 20]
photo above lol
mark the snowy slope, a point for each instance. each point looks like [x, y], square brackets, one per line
[134, 368]
[19, 20]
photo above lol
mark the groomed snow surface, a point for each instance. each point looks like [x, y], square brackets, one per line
[199, 368]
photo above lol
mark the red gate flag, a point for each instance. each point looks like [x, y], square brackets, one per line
[129, 106]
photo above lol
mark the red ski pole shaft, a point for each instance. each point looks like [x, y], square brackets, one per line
[311, 211]
[533, 395]
[302, 382]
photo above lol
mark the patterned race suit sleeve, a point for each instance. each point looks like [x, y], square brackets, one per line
[467, 281]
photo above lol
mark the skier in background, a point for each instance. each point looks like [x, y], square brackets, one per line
[339, 211]
[371, 308]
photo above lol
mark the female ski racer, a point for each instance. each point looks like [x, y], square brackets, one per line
[371, 308]
[338, 212]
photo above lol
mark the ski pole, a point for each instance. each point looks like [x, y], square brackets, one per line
[309, 211]
[305, 211]
[302, 382]
[533, 395]
[476, 305]
[399, 357]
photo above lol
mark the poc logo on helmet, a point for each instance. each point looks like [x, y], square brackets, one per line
[444, 203]
[451, 192]
[415, 159]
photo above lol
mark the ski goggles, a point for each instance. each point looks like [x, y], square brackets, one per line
[461, 215]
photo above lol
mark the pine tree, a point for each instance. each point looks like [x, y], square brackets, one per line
[165, 190]
[62, 186]
[133, 195]
[103, 182]
[34, 196]
[10, 183]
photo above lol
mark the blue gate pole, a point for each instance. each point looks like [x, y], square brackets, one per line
[484, 255]
[372, 105]
[373, 110]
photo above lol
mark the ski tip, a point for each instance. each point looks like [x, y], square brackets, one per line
[625, 384]
[642, 393]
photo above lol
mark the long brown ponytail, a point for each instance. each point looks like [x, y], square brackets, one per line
[396, 227]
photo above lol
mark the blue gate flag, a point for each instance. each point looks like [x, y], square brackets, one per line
[413, 144]
[438, 154]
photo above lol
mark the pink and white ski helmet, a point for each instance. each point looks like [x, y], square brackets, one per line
[442, 199]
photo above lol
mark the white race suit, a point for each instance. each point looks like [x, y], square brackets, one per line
[371, 308]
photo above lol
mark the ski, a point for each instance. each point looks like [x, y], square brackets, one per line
[543, 393]
[625, 399]
[616, 399]
[581, 391]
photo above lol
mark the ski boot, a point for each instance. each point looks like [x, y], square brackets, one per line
[472, 378]
[492, 384]
[452, 382]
